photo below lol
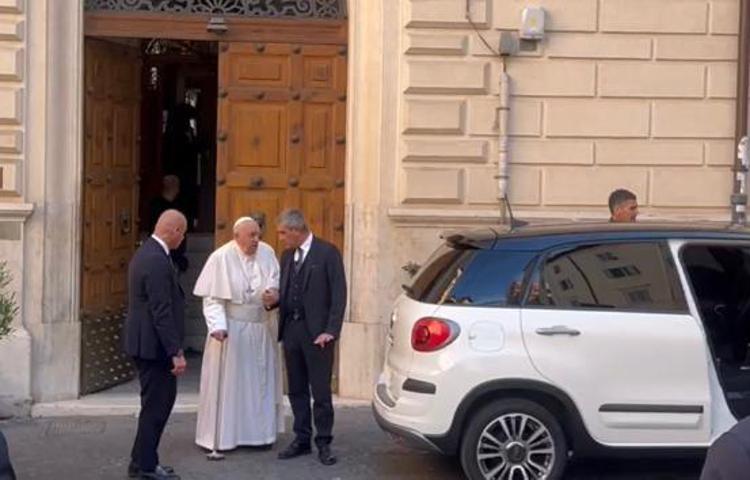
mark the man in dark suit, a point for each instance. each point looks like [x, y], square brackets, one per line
[154, 332]
[311, 303]
[729, 456]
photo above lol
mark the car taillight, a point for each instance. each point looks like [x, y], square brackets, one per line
[430, 334]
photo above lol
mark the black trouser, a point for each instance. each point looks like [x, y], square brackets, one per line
[6, 469]
[158, 393]
[309, 367]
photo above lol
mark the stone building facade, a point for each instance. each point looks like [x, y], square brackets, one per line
[640, 94]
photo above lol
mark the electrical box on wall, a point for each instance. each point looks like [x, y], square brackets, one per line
[532, 24]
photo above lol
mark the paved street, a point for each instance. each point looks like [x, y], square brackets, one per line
[95, 448]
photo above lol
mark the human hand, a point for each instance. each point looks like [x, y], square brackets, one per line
[270, 297]
[323, 339]
[180, 365]
[219, 335]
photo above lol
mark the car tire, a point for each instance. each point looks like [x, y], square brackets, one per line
[511, 435]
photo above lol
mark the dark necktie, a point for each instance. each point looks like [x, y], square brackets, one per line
[298, 260]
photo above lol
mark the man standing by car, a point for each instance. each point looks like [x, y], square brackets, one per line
[312, 304]
[154, 332]
[623, 206]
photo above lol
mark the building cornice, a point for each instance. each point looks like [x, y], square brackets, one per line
[15, 212]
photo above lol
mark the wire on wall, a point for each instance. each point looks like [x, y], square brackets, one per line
[479, 33]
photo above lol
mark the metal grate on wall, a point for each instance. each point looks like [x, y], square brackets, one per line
[322, 9]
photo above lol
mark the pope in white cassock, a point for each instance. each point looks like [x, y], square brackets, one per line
[240, 377]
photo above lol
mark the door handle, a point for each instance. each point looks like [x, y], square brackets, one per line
[558, 330]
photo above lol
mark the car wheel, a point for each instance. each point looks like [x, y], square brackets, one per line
[514, 439]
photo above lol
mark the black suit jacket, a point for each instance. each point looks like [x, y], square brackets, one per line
[323, 288]
[155, 326]
[729, 456]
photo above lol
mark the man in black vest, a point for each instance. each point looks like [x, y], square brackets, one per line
[154, 332]
[312, 304]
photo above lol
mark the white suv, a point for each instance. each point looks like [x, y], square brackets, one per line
[517, 349]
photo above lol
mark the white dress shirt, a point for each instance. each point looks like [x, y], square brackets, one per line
[304, 248]
[161, 242]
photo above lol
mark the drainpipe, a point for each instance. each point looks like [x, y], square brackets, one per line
[503, 174]
[742, 162]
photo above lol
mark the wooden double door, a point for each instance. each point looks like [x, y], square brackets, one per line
[281, 143]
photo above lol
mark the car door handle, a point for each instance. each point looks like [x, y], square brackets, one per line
[558, 330]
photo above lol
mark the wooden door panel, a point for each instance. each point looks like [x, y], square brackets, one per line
[110, 193]
[125, 81]
[94, 287]
[319, 137]
[316, 206]
[100, 242]
[319, 73]
[119, 281]
[124, 127]
[249, 65]
[258, 135]
[101, 125]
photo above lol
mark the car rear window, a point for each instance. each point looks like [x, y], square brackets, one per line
[472, 277]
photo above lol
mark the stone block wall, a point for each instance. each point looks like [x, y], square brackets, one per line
[12, 55]
[15, 349]
[621, 93]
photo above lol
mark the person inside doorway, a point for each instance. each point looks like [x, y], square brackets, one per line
[623, 206]
[169, 200]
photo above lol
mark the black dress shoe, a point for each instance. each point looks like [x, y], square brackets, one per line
[160, 473]
[295, 449]
[134, 470]
[325, 456]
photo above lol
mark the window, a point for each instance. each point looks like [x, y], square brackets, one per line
[473, 278]
[636, 276]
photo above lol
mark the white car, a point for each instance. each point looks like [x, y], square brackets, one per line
[520, 348]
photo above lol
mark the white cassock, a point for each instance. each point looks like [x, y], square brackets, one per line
[250, 401]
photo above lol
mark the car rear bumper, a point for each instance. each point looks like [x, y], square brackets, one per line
[407, 436]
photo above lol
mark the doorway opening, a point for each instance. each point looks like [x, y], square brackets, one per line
[179, 99]
[720, 278]
[248, 126]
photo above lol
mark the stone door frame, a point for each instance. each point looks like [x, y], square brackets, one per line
[53, 171]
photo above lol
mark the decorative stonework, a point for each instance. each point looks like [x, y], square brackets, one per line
[253, 8]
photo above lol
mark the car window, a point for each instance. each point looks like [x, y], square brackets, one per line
[633, 276]
[473, 278]
[430, 281]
